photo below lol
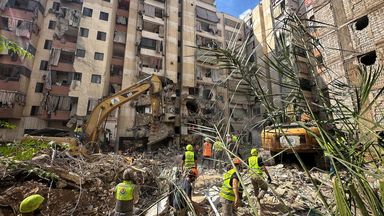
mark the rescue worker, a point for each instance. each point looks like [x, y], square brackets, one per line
[179, 197]
[207, 152]
[231, 190]
[126, 195]
[256, 167]
[218, 151]
[189, 159]
[31, 205]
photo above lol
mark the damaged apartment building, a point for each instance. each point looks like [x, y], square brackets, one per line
[357, 38]
[85, 51]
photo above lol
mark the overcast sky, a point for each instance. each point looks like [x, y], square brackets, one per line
[235, 7]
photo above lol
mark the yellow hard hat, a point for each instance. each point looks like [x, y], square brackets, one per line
[189, 147]
[254, 152]
[31, 203]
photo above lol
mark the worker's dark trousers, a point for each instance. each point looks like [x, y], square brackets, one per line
[207, 161]
[227, 208]
[124, 208]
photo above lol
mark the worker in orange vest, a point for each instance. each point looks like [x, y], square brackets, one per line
[207, 153]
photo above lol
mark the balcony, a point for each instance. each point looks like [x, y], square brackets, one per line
[10, 85]
[208, 4]
[120, 28]
[120, 37]
[11, 104]
[65, 67]
[14, 113]
[150, 52]
[122, 12]
[150, 70]
[156, 3]
[115, 79]
[18, 14]
[58, 115]
[152, 65]
[68, 46]
[156, 20]
[117, 61]
[8, 60]
[151, 35]
[62, 90]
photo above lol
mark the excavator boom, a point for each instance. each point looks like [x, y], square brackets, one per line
[105, 107]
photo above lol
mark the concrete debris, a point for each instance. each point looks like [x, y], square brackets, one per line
[83, 185]
[158, 209]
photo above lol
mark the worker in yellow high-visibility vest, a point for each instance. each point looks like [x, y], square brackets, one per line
[189, 159]
[126, 195]
[256, 168]
[231, 190]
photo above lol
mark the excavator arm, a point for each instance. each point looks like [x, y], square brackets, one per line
[105, 107]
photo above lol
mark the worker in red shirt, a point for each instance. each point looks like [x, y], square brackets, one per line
[207, 153]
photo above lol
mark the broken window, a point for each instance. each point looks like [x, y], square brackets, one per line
[103, 16]
[159, 12]
[84, 32]
[77, 76]
[56, 6]
[80, 53]
[31, 49]
[361, 23]
[368, 58]
[96, 78]
[116, 70]
[67, 57]
[48, 44]
[4, 23]
[43, 65]
[101, 36]
[148, 43]
[34, 110]
[193, 91]
[87, 12]
[99, 56]
[39, 87]
[52, 24]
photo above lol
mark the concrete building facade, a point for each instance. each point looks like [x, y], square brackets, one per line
[356, 38]
[85, 50]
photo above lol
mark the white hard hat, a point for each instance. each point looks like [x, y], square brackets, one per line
[228, 135]
[206, 139]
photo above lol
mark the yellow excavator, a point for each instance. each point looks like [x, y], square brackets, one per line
[284, 137]
[105, 107]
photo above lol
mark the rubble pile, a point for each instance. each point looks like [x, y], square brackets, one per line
[78, 185]
[294, 187]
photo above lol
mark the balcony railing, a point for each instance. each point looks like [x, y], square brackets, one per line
[57, 115]
[11, 104]
[116, 79]
[69, 46]
[66, 67]
[62, 90]
[10, 85]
